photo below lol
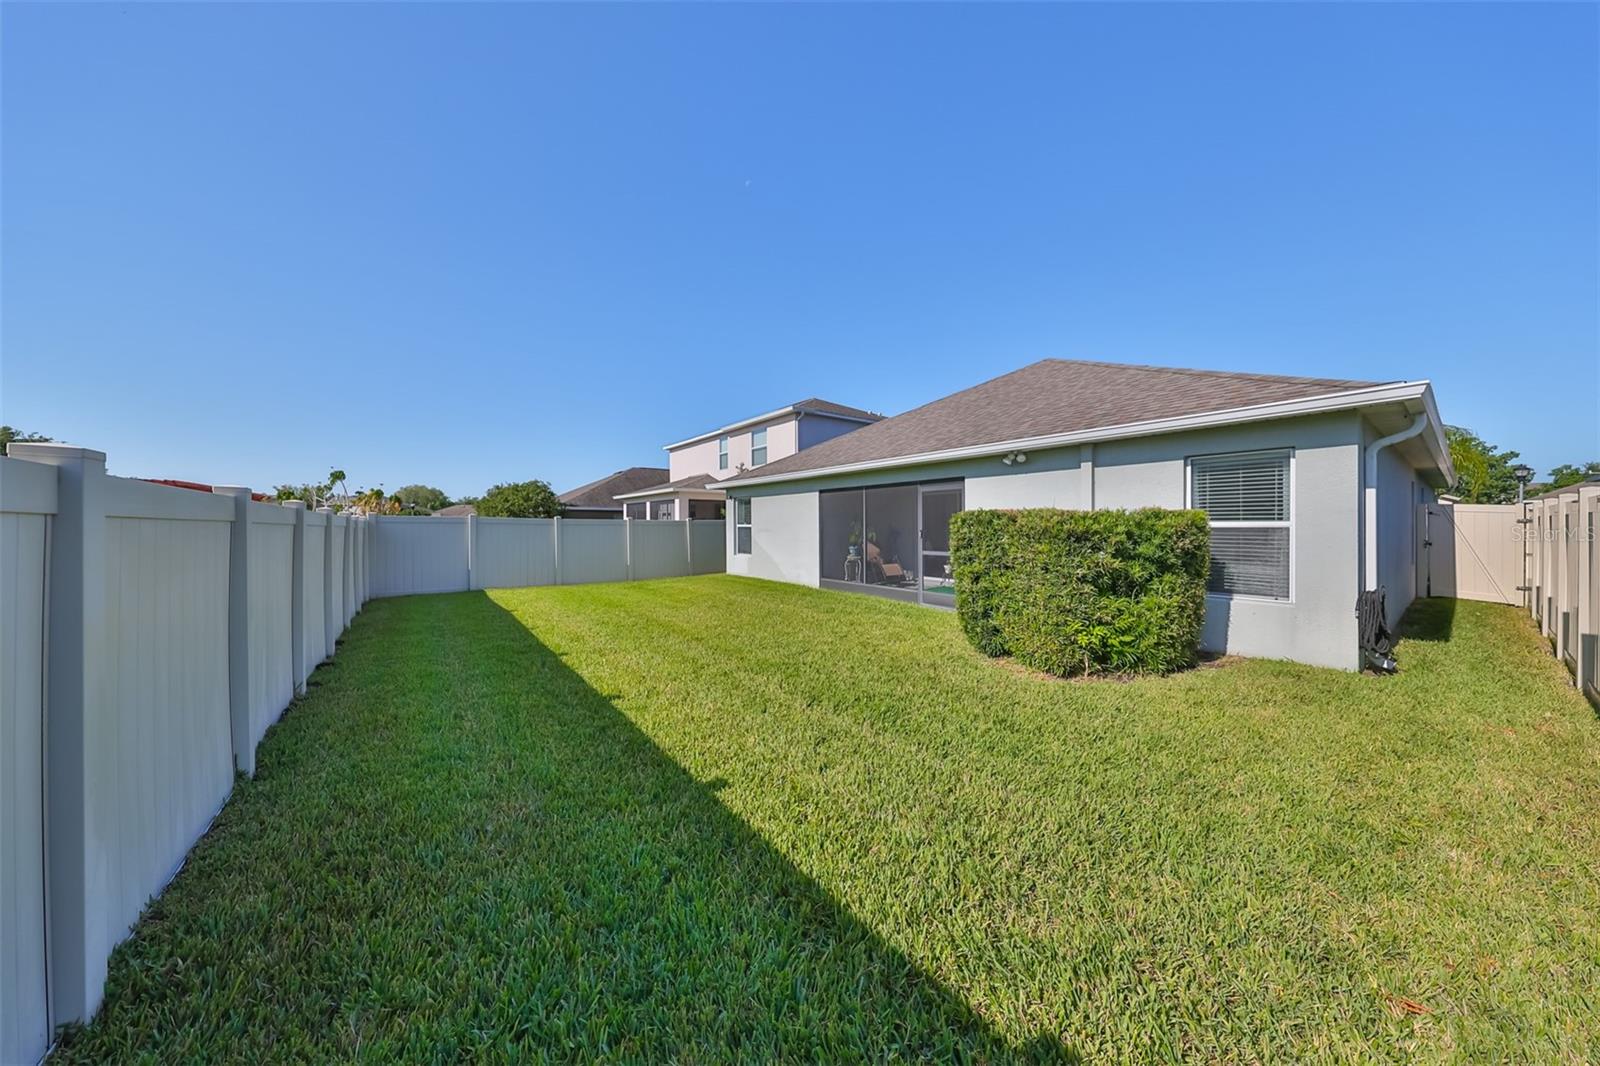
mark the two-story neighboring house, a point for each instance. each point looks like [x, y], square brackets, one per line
[696, 463]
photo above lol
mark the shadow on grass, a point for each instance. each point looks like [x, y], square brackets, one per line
[710, 938]
[456, 847]
[1429, 619]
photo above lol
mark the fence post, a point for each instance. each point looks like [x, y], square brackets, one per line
[1583, 616]
[329, 632]
[75, 712]
[555, 542]
[297, 598]
[472, 551]
[347, 574]
[244, 753]
[627, 549]
[688, 544]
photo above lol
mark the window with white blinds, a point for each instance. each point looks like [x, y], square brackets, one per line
[1247, 499]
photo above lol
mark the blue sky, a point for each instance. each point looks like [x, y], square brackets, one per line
[471, 244]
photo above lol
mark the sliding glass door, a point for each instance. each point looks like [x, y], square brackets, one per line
[892, 540]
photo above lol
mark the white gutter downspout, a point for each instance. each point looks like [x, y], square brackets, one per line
[1370, 489]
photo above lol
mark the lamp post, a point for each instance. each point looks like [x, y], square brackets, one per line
[1524, 474]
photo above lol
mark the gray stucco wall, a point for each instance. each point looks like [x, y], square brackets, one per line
[1400, 493]
[1317, 625]
[784, 544]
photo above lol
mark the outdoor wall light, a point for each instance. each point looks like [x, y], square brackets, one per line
[1015, 457]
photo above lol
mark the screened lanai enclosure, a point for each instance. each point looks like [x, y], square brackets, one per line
[892, 540]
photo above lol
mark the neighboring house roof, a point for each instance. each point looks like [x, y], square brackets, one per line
[602, 494]
[810, 405]
[1056, 402]
[1565, 490]
[455, 510]
[197, 486]
[695, 482]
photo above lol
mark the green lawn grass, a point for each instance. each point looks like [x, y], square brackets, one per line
[714, 819]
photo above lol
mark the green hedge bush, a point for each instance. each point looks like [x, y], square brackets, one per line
[1083, 592]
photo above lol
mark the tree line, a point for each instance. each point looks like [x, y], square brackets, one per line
[516, 499]
[1486, 474]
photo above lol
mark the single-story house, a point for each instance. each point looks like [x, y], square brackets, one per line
[456, 510]
[696, 464]
[1312, 485]
[598, 499]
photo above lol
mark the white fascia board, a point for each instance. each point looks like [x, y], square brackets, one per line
[1397, 392]
[714, 489]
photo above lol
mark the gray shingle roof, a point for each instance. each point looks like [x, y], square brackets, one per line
[1049, 397]
[693, 481]
[602, 493]
[828, 407]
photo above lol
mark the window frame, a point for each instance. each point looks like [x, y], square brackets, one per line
[743, 510]
[655, 510]
[722, 453]
[762, 447]
[1287, 453]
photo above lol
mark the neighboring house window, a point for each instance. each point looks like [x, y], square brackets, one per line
[741, 527]
[1248, 498]
[758, 446]
[663, 510]
[636, 510]
[722, 453]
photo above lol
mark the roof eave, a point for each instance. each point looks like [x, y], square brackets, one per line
[1353, 399]
[731, 427]
[663, 490]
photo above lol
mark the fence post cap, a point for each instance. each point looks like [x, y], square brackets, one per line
[48, 450]
[230, 490]
[300, 504]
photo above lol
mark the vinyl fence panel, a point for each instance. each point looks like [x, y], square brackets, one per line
[160, 757]
[27, 498]
[414, 555]
[593, 549]
[658, 549]
[271, 576]
[709, 547]
[514, 552]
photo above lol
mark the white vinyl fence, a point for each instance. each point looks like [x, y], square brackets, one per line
[149, 635]
[1539, 554]
[1472, 552]
[413, 555]
[1565, 590]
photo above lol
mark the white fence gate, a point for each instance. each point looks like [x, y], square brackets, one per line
[1473, 552]
[1540, 554]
